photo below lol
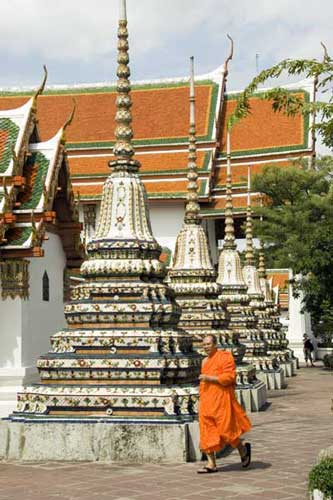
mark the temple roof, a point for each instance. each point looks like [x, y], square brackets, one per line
[35, 189]
[160, 121]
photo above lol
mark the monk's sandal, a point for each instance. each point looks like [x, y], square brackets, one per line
[246, 460]
[207, 470]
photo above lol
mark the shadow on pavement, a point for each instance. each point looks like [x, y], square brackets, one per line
[255, 464]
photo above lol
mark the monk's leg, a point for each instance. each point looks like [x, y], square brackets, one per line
[241, 449]
[211, 460]
[237, 443]
[244, 453]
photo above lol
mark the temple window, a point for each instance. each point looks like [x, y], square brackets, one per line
[46, 287]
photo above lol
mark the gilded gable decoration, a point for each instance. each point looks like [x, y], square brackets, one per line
[14, 279]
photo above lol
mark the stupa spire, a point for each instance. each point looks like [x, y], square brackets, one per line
[262, 265]
[229, 238]
[192, 208]
[249, 255]
[123, 148]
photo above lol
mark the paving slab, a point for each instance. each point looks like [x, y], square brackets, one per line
[286, 439]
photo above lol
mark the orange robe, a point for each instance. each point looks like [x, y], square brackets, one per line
[221, 418]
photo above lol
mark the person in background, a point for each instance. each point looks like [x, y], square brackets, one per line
[308, 350]
[222, 420]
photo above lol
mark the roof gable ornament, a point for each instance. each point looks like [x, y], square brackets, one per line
[40, 89]
[68, 122]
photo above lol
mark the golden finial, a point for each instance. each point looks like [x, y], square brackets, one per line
[249, 255]
[40, 89]
[68, 122]
[123, 148]
[229, 238]
[192, 207]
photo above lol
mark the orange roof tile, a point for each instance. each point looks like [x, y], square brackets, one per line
[262, 128]
[279, 278]
[239, 172]
[158, 113]
[154, 189]
[218, 204]
[150, 163]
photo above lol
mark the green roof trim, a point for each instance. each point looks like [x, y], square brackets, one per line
[153, 196]
[277, 149]
[11, 132]
[220, 211]
[235, 185]
[24, 235]
[36, 158]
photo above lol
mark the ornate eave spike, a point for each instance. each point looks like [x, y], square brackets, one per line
[229, 238]
[192, 207]
[68, 122]
[249, 255]
[123, 148]
[40, 89]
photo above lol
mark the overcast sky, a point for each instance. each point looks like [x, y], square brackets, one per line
[76, 39]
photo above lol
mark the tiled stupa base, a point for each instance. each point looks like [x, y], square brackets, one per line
[274, 379]
[288, 368]
[252, 397]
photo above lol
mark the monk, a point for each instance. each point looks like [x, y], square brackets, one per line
[221, 418]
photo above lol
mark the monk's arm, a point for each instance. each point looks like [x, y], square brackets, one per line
[228, 375]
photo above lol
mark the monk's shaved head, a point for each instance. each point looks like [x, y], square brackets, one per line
[211, 338]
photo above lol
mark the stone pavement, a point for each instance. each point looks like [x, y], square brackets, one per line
[286, 439]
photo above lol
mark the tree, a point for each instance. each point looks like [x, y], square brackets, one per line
[297, 225]
[297, 228]
[282, 100]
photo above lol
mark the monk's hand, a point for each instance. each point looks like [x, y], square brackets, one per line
[204, 378]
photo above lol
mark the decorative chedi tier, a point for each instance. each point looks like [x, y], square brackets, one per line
[286, 356]
[121, 354]
[242, 319]
[254, 291]
[192, 276]
[193, 279]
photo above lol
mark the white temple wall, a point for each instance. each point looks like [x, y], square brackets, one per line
[10, 336]
[166, 220]
[26, 325]
[298, 324]
[209, 226]
[42, 318]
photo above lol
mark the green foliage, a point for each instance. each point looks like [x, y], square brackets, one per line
[321, 478]
[297, 225]
[297, 230]
[320, 71]
[328, 361]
